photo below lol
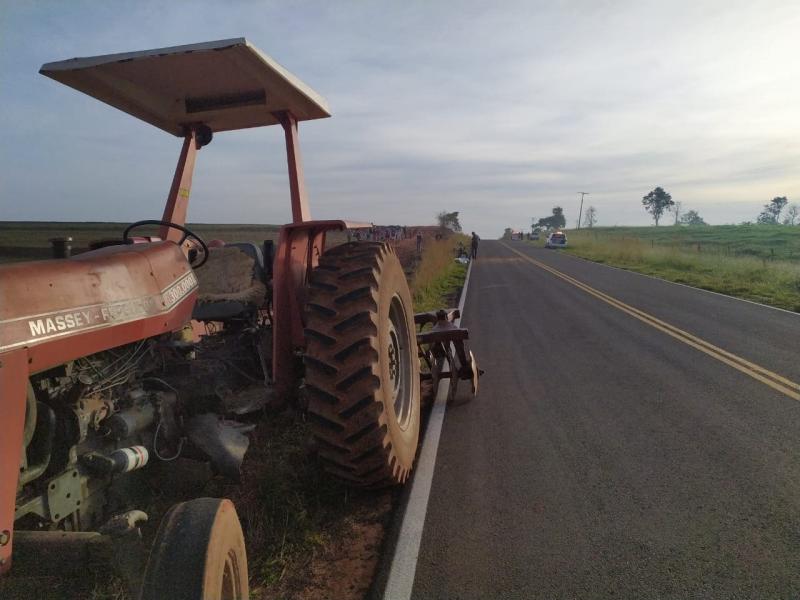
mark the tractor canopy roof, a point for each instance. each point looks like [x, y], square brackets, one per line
[227, 84]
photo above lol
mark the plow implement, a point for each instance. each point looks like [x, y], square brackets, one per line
[442, 348]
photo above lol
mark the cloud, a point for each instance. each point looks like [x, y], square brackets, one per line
[499, 111]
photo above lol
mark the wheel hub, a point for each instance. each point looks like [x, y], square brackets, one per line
[399, 363]
[394, 359]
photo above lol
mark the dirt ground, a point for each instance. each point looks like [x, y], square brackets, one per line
[343, 567]
[308, 536]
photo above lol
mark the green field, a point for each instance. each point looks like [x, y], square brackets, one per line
[755, 262]
[773, 242]
[29, 240]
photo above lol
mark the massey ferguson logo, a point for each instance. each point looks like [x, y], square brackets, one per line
[118, 312]
[16, 332]
[60, 323]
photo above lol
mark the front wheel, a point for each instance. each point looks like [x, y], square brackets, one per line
[362, 366]
[198, 554]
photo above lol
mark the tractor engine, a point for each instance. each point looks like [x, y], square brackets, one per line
[94, 427]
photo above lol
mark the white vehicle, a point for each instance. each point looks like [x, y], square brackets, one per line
[557, 239]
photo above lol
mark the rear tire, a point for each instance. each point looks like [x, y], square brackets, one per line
[198, 554]
[362, 365]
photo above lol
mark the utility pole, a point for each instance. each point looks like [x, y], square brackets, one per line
[580, 212]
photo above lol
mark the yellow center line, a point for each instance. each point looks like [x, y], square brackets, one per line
[757, 372]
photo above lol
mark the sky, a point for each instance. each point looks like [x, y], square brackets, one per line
[499, 110]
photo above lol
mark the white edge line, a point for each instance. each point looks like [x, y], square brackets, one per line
[403, 569]
[686, 285]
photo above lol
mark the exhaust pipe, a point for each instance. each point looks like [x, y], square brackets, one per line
[62, 247]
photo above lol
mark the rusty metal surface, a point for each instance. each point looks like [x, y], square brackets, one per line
[178, 198]
[432, 317]
[13, 387]
[297, 186]
[62, 309]
[445, 343]
[63, 549]
[443, 335]
[299, 248]
[227, 84]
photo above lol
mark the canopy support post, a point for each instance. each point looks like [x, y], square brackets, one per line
[178, 199]
[297, 186]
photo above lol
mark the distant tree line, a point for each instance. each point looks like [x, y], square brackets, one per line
[773, 211]
[658, 201]
[554, 221]
[448, 220]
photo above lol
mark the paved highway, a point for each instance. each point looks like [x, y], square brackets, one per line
[633, 439]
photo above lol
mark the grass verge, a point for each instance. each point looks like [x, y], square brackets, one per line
[438, 277]
[750, 273]
[298, 520]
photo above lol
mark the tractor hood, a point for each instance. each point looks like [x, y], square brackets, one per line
[227, 85]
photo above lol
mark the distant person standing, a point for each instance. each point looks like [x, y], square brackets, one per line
[475, 240]
[419, 243]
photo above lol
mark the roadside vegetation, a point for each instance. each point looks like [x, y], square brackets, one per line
[755, 262]
[299, 521]
[438, 278]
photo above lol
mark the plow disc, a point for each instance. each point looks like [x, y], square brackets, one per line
[442, 349]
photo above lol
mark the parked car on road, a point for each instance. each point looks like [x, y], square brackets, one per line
[557, 239]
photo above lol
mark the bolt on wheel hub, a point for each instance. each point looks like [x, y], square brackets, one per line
[399, 362]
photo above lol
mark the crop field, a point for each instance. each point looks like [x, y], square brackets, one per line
[29, 240]
[755, 262]
[773, 242]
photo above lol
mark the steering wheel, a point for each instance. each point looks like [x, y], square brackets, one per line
[187, 233]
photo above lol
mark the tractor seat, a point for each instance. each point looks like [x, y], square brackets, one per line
[233, 283]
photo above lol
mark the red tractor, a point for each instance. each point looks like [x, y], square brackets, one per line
[119, 360]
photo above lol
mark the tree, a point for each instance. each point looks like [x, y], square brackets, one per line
[556, 221]
[676, 208]
[590, 217]
[792, 215]
[656, 202]
[692, 217]
[772, 211]
[558, 217]
[449, 220]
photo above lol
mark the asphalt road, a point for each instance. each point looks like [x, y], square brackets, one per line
[605, 458]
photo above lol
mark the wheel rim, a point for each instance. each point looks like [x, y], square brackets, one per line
[231, 590]
[399, 363]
